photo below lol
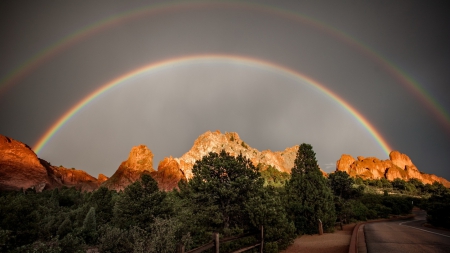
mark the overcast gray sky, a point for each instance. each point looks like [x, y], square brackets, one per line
[353, 48]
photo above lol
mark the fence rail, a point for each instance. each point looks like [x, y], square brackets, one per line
[216, 243]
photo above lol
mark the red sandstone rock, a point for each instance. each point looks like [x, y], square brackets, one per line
[20, 168]
[397, 166]
[344, 163]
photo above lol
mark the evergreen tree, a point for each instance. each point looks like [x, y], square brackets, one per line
[218, 191]
[266, 208]
[309, 195]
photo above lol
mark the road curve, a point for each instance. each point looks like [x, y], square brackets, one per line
[405, 236]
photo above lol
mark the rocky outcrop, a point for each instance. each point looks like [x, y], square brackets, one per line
[140, 161]
[20, 168]
[397, 166]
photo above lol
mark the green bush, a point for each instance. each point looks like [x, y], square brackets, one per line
[438, 210]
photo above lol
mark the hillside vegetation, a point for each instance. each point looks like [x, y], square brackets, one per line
[226, 194]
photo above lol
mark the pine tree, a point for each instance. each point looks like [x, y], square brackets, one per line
[309, 195]
[220, 186]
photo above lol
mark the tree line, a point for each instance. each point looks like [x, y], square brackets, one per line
[226, 194]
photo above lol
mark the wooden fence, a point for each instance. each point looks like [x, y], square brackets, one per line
[216, 241]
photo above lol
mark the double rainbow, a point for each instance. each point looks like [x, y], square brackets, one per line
[234, 59]
[403, 78]
[59, 46]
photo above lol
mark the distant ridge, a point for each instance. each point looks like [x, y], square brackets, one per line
[20, 168]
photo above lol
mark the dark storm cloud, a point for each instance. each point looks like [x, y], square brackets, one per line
[269, 111]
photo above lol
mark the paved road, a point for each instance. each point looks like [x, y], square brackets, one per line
[405, 236]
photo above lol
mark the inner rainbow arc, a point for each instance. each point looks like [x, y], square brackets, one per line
[45, 138]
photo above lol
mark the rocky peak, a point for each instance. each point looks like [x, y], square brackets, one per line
[140, 161]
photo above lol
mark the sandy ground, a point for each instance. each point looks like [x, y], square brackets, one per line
[337, 242]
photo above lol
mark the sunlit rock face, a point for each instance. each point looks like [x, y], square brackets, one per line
[76, 178]
[102, 178]
[232, 143]
[397, 166]
[168, 174]
[140, 161]
[20, 168]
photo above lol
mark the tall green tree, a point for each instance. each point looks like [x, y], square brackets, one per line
[220, 187]
[309, 197]
[266, 208]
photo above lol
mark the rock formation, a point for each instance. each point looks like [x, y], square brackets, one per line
[172, 170]
[140, 161]
[397, 166]
[231, 143]
[20, 168]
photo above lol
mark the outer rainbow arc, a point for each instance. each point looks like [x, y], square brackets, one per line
[234, 58]
[31, 64]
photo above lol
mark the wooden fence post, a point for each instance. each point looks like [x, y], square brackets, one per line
[262, 239]
[320, 228]
[180, 248]
[216, 241]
